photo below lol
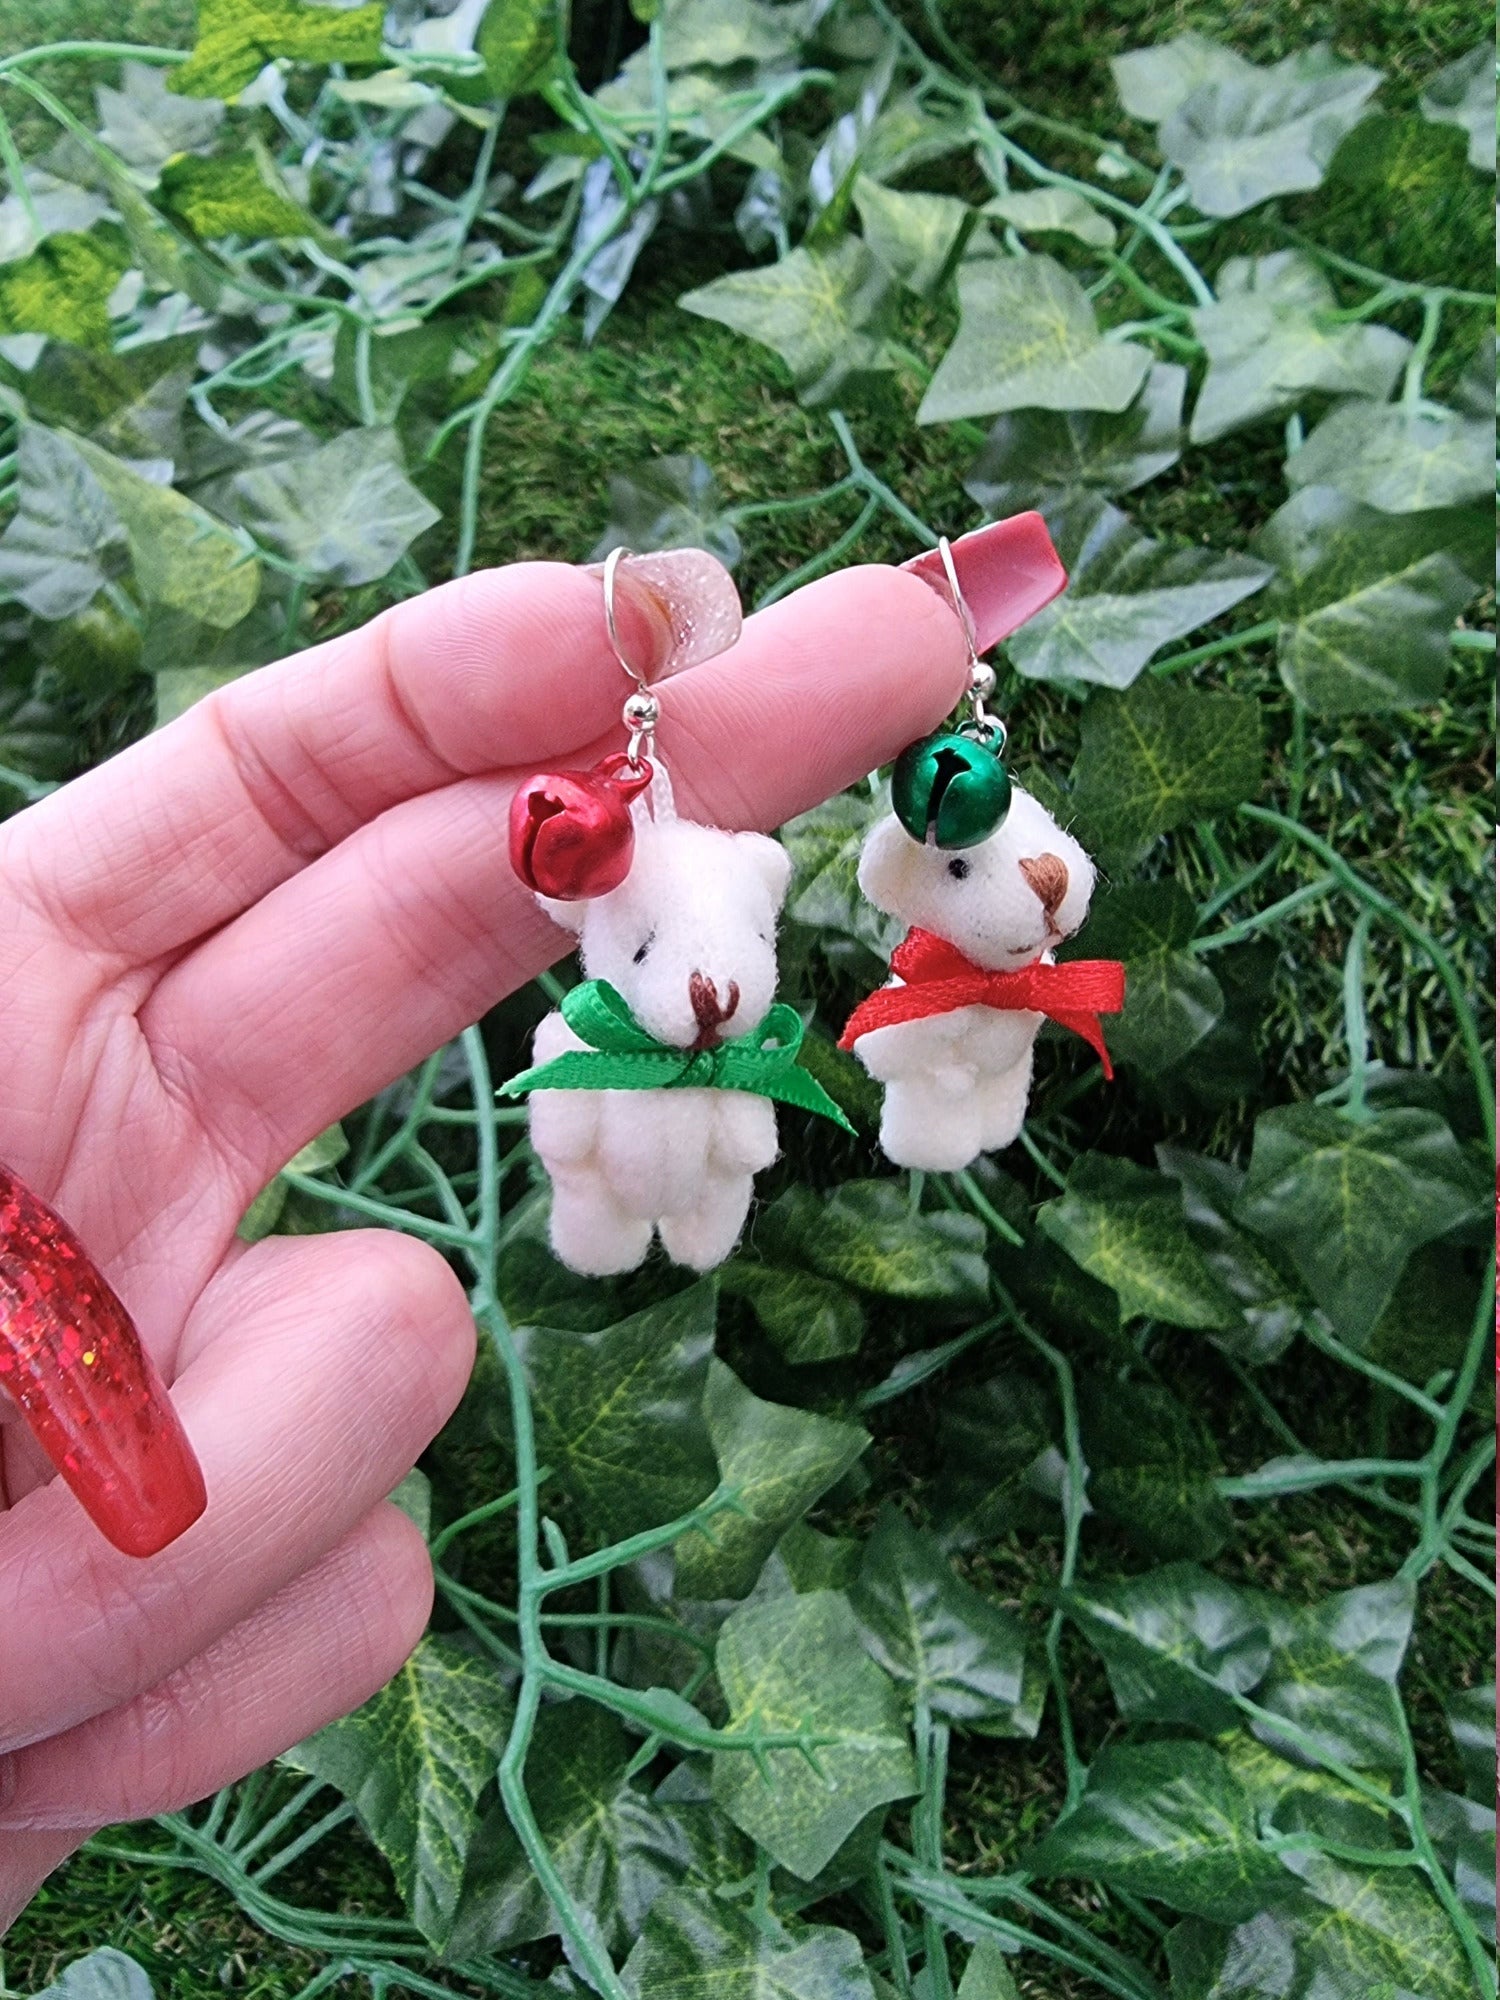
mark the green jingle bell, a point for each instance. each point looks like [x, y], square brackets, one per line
[951, 787]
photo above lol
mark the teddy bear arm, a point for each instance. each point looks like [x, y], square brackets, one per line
[906, 1049]
[744, 1137]
[564, 1123]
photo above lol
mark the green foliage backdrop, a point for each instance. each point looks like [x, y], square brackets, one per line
[1062, 1578]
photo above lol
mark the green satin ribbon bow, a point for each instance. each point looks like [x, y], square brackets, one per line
[622, 1056]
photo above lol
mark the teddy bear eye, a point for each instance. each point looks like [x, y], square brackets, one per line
[638, 956]
[958, 868]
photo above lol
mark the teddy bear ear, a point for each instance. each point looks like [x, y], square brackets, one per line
[569, 915]
[772, 863]
[886, 865]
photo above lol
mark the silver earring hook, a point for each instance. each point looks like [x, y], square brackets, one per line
[642, 710]
[988, 728]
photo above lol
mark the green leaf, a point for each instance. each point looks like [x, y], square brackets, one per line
[1152, 1469]
[1153, 82]
[825, 847]
[131, 403]
[145, 124]
[1126, 1227]
[1241, 138]
[1163, 757]
[183, 557]
[1463, 1834]
[1350, 1201]
[1271, 341]
[867, 1234]
[807, 1318]
[668, 503]
[1367, 600]
[1333, 1672]
[1396, 459]
[1027, 337]
[715, 34]
[613, 1847]
[1426, 1325]
[1172, 999]
[1000, 1460]
[1210, 1189]
[779, 1461]
[56, 206]
[1462, 93]
[1127, 595]
[620, 1411]
[1369, 1931]
[517, 42]
[237, 38]
[817, 1562]
[915, 236]
[699, 1947]
[1029, 452]
[64, 286]
[1168, 1820]
[1471, 1718]
[1176, 1644]
[796, 1664]
[957, 1651]
[413, 1762]
[232, 194]
[815, 308]
[65, 536]
[987, 1976]
[105, 1974]
[1041, 211]
[344, 513]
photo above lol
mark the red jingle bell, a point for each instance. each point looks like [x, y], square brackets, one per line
[571, 833]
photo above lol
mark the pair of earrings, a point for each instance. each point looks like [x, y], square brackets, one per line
[652, 1093]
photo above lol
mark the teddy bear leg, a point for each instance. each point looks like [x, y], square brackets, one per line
[1003, 1098]
[923, 1125]
[590, 1231]
[704, 1235]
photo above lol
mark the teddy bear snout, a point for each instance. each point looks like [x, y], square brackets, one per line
[709, 1011]
[1047, 876]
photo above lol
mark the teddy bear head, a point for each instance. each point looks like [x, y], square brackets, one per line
[689, 937]
[1003, 902]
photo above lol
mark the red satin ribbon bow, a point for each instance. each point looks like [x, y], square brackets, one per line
[939, 978]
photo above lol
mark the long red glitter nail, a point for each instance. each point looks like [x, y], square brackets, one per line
[73, 1362]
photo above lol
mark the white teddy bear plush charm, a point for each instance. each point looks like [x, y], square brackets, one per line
[990, 885]
[652, 1094]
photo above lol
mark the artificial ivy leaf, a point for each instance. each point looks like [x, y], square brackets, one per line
[915, 236]
[237, 38]
[699, 1947]
[1271, 340]
[959, 1653]
[342, 514]
[620, 1411]
[105, 1974]
[1333, 1672]
[796, 1663]
[614, 1848]
[1373, 1931]
[1401, 461]
[1427, 1322]
[517, 42]
[65, 536]
[146, 125]
[1168, 1820]
[232, 194]
[1366, 600]
[668, 503]
[1462, 93]
[1127, 595]
[825, 846]
[808, 1318]
[1172, 999]
[1463, 1833]
[413, 1762]
[779, 1461]
[815, 308]
[1001, 1464]
[1152, 82]
[987, 1976]
[714, 34]
[1350, 1201]
[1161, 757]
[1152, 1470]
[817, 1562]
[1471, 1718]
[1030, 452]
[867, 1234]
[183, 557]
[1126, 1227]
[130, 403]
[64, 286]
[1241, 138]
[1177, 1644]
[56, 206]
[1028, 338]
[1210, 1189]
[1059, 210]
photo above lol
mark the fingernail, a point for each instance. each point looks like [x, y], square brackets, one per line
[674, 608]
[1006, 571]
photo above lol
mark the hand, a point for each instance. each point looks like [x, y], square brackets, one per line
[215, 945]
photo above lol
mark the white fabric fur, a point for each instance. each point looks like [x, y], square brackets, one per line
[690, 934]
[956, 1085]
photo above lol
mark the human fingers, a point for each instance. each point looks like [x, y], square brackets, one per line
[322, 1645]
[182, 831]
[377, 953]
[312, 1375]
